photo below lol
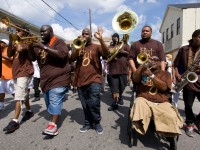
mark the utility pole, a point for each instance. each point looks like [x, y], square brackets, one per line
[90, 18]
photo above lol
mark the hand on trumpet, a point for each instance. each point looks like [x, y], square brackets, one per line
[39, 45]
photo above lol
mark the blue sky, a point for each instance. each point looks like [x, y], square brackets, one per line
[150, 12]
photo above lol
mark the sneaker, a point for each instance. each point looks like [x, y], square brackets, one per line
[27, 116]
[85, 128]
[36, 99]
[99, 128]
[189, 131]
[11, 127]
[51, 129]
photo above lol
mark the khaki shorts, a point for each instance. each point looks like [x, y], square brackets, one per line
[21, 88]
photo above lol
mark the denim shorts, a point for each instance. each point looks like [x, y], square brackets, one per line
[54, 99]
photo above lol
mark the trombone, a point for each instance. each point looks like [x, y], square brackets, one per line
[5, 23]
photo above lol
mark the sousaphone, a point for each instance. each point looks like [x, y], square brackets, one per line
[125, 22]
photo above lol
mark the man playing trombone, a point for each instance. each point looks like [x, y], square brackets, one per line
[22, 70]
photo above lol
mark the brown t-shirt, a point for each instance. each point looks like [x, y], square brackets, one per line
[88, 67]
[151, 47]
[55, 72]
[181, 62]
[149, 93]
[22, 65]
[119, 65]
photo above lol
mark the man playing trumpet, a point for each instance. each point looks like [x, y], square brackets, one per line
[88, 78]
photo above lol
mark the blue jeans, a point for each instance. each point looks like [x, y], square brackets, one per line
[54, 99]
[90, 99]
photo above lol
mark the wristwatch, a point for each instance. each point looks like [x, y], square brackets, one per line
[45, 47]
[152, 76]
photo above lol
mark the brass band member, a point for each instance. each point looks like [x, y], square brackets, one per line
[186, 55]
[152, 101]
[53, 61]
[22, 70]
[146, 45]
[88, 78]
[118, 70]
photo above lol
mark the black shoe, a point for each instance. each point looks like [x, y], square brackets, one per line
[189, 131]
[121, 101]
[85, 128]
[11, 127]
[113, 107]
[99, 128]
[27, 116]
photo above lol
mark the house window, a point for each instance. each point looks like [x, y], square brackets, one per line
[178, 26]
[167, 34]
[172, 31]
[163, 37]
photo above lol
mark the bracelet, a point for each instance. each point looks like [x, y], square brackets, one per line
[152, 76]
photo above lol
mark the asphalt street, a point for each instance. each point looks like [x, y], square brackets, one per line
[29, 136]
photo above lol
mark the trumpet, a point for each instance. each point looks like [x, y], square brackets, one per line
[78, 43]
[142, 58]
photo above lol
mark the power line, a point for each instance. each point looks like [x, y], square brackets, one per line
[60, 15]
[33, 5]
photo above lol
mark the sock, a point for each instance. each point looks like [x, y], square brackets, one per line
[15, 120]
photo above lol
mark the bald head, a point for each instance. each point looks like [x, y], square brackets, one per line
[46, 31]
[86, 33]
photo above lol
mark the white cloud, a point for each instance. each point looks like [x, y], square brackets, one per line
[151, 1]
[142, 19]
[155, 27]
[101, 6]
[70, 34]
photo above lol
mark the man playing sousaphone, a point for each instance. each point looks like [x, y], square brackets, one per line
[22, 70]
[118, 69]
[152, 101]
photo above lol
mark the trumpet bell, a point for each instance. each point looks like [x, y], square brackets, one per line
[78, 43]
[142, 58]
[125, 22]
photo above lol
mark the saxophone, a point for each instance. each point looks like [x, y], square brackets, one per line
[189, 76]
[114, 51]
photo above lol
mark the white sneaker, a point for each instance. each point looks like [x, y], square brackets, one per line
[51, 129]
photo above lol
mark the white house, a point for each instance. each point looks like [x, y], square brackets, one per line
[178, 24]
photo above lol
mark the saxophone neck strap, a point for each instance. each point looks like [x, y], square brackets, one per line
[190, 60]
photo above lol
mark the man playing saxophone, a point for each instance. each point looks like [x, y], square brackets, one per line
[185, 58]
[118, 69]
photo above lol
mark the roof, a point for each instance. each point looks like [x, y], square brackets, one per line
[183, 6]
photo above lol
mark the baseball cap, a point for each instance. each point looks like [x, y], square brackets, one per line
[5, 41]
